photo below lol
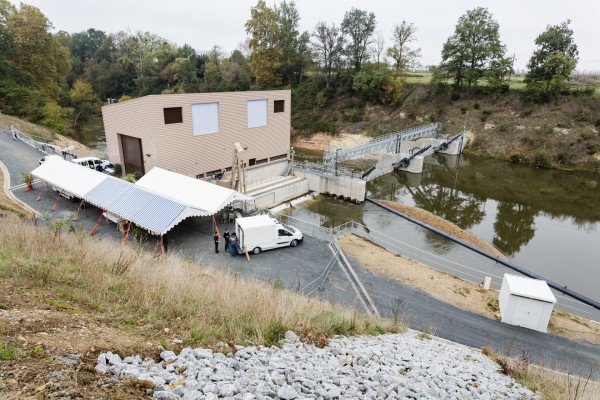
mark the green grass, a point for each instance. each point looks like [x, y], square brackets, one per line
[9, 352]
[203, 305]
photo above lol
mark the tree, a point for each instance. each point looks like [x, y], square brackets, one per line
[404, 56]
[83, 99]
[359, 26]
[553, 61]
[35, 51]
[265, 45]
[328, 46]
[291, 42]
[379, 45]
[473, 50]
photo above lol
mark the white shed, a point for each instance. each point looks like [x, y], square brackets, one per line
[526, 302]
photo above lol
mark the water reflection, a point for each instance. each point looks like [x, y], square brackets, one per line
[514, 227]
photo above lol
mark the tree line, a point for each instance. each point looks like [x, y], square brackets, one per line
[61, 79]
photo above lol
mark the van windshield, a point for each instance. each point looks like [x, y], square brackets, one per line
[289, 228]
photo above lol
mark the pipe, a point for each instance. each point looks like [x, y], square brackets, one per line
[563, 289]
[367, 172]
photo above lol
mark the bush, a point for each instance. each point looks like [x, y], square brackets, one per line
[455, 96]
[541, 159]
[517, 159]
[463, 109]
[503, 127]
[564, 158]
[476, 106]
[118, 169]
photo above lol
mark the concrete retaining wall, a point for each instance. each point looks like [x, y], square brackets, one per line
[282, 194]
[353, 189]
[266, 173]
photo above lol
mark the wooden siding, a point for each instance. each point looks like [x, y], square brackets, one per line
[173, 146]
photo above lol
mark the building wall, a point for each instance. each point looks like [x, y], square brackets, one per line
[173, 146]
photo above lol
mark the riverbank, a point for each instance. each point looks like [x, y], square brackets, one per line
[452, 290]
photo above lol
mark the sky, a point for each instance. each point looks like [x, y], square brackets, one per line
[203, 24]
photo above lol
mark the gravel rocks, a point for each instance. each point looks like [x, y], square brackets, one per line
[387, 366]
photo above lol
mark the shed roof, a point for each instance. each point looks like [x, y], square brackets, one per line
[190, 191]
[530, 288]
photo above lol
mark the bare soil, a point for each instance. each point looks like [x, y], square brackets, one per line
[325, 141]
[56, 348]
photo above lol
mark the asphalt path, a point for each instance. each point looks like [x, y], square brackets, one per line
[18, 157]
[294, 268]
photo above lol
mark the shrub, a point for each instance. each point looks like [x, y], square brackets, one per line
[503, 127]
[541, 159]
[476, 106]
[454, 96]
[118, 169]
[517, 159]
[564, 158]
[463, 109]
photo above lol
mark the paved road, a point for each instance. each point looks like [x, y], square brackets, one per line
[18, 157]
[294, 268]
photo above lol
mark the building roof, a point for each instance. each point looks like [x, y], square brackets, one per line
[530, 288]
[154, 211]
[192, 192]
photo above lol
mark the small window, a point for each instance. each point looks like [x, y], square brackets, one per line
[263, 161]
[279, 157]
[173, 115]
[252, 161]
[279, 106]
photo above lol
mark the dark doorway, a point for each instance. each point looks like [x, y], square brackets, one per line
[133, 160]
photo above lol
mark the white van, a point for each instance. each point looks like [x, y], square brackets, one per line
[263, 232]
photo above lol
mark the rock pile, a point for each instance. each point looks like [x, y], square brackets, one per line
[409, 365]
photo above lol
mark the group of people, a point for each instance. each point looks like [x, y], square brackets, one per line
[231, 242]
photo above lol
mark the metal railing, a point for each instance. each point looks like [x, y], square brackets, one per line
[388, 143]
[318, 283]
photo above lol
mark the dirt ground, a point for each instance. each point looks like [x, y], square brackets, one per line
[455, 291]
[325, 141]
[53, 349]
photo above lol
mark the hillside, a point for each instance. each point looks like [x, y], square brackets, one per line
[564, 134]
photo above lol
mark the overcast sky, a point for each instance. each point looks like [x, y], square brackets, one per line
[203, 24]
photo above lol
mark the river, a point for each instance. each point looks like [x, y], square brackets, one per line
[546, 221]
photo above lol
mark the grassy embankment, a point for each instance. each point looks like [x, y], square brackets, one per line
[38, 132]
[564, 134]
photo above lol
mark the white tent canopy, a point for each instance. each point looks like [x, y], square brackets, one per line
[192, 192]
[68, 176]
[161, 201]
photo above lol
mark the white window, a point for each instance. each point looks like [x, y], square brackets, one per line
[205, 118]
[257, 113]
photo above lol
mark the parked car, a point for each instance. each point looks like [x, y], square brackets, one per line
[94, 163]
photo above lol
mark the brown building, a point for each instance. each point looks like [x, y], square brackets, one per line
[194, 134]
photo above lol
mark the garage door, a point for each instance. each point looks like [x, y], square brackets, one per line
[133, 160]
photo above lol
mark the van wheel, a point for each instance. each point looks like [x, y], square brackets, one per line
[256, 250]
[294, 243]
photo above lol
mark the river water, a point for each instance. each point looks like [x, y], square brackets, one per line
[546, 221]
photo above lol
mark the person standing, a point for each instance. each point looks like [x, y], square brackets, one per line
[233, 244]
[226, 239]
[216, 239]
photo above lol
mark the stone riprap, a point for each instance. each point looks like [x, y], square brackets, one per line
[401, 366]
